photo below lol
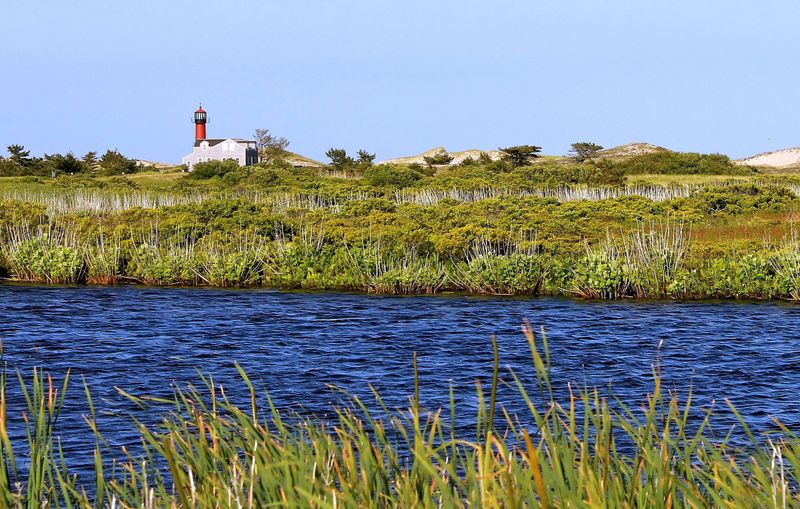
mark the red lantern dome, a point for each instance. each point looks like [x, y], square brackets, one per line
[200, 119]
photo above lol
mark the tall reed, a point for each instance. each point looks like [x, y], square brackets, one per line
[655, 254]
[47, 254]
[602, 274]
[98, 201]
[105, 263]
[643, 263]
[506, 268]
[786, 263]
[164, 263]
[380, 270]
[239, 262]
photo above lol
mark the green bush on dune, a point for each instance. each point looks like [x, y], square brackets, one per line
[681, 163]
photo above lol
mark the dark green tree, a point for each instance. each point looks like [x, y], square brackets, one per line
[18, 155]
[90, 159]
[365, 159]
[520, 155]
[583, 150]
[468, 161]
[68, 164]
[485, 158]
[439, 158]
[7, 168]
[114, 163]
[20, 162]
[339, 158]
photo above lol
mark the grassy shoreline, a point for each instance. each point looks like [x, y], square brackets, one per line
[561, 229]
[650, 262]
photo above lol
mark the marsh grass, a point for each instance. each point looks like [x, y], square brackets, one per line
[377, 271]
[650, 260]
[643, 263]
[786, 263]
[655, 255]
[512, 267]
[432, 196]
[163, 263]
[239, 262]
[103, 201]
[105, 262]
[47, 254]
[603, 273]
[210, 453]
[99, 201]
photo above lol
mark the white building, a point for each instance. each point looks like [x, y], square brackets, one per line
[242, 151]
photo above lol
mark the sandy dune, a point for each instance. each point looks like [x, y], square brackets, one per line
[457, 156]
[777, 159]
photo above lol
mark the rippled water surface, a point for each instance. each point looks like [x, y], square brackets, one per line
[294, 345]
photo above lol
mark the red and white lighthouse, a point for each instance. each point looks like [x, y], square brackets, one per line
[200, 119]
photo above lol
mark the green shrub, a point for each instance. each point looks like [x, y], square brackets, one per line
[603, 273]
[368, 206]
[743, 276]
[241, 266]
[742, 198]
[396, 176]
[79, 181]
[259, 177]
[46, 260]
[684, 163]
[488, 273]
[20, 215]
[597, 173]
[121, 182]
[165, 265]
[210, 169]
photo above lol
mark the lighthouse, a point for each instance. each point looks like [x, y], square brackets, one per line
[200, 119]
[244, 152]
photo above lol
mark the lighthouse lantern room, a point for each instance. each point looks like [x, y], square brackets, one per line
[200, 119]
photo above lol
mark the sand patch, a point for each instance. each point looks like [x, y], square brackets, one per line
[777, 159]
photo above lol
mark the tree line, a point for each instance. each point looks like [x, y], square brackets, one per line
[19, 162]
[272, 147]
[517, 156]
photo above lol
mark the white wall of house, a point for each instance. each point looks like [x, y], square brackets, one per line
[219, 150]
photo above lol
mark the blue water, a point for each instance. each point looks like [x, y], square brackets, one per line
[293, 345]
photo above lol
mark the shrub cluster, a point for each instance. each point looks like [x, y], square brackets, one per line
[682, 163]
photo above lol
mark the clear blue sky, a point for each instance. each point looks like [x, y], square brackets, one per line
[399, 77]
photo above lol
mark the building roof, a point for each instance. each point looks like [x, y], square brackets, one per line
[216, 141]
